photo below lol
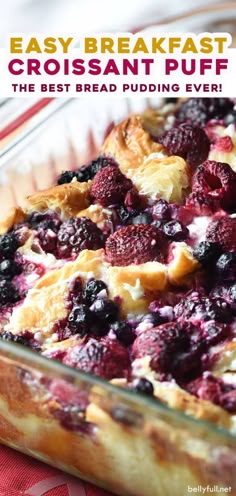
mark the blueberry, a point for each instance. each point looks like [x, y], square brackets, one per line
[145, 218]
[123, 332]
[92, 290]
[9, 268]
[143, 386]
[8, 245]
[8, 293]
[205, 252]
[175, 230]
[66, 177]
[161, 210]
[124, 214]
[80, 320]
[105, 310]
[226, 266]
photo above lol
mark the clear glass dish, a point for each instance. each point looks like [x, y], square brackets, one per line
[117, 439]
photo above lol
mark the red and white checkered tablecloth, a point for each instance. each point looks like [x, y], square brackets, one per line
[21, 475]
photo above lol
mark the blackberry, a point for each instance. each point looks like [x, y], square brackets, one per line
[66, 177]
[226, 266]
[199, 111]
[123, 332]
[200, 308]
[16, 338]
[144, 218]
[8, 245]
[98, 164]
[8, 293]
[92, 290]
[206, 252]
[143, 386]
[175, 230]
[77, 234]
[9, 268]
[230, 118]
[105, 310]
[214, 333]
[80, 320]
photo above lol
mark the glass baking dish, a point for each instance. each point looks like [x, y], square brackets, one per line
[122, 441]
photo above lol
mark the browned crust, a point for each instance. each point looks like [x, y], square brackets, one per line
[15, 216]
[129, 144]
[68, 199]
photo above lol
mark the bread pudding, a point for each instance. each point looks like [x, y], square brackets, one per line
[126, 270]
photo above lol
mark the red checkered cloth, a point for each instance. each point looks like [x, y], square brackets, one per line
[21, 475]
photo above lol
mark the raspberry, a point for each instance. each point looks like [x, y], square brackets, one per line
[201, 204]
[173, 348]
[110, 186]
[223, 232]
[223, 144]
[199, 111]
[213, 389]
[77, 234]
[134, 244]
[197, 308]
[187, 141]
[217, 180]
[104, 358]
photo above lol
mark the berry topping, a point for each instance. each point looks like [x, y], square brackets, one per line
[206, 252]
[86, 172]
[77, 234]
[199, 111]
[217, 180]
[187, 141]
[8, 245]
[16, 338]
[92, 290]
[201, 204]
[223, 232]
[110, 186]
[173, 349]
[197, 308]
[226, 266]
[143, 386]
[105, 309]
[123, 332]
[214, 389]
[145, 218]
[66, 177]
[134, 244]
[8, 293]
[105, 358]
[9, 268]
[176, 231]
[80, 320]
[214, 332]
[161, 210]
[223, 144]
